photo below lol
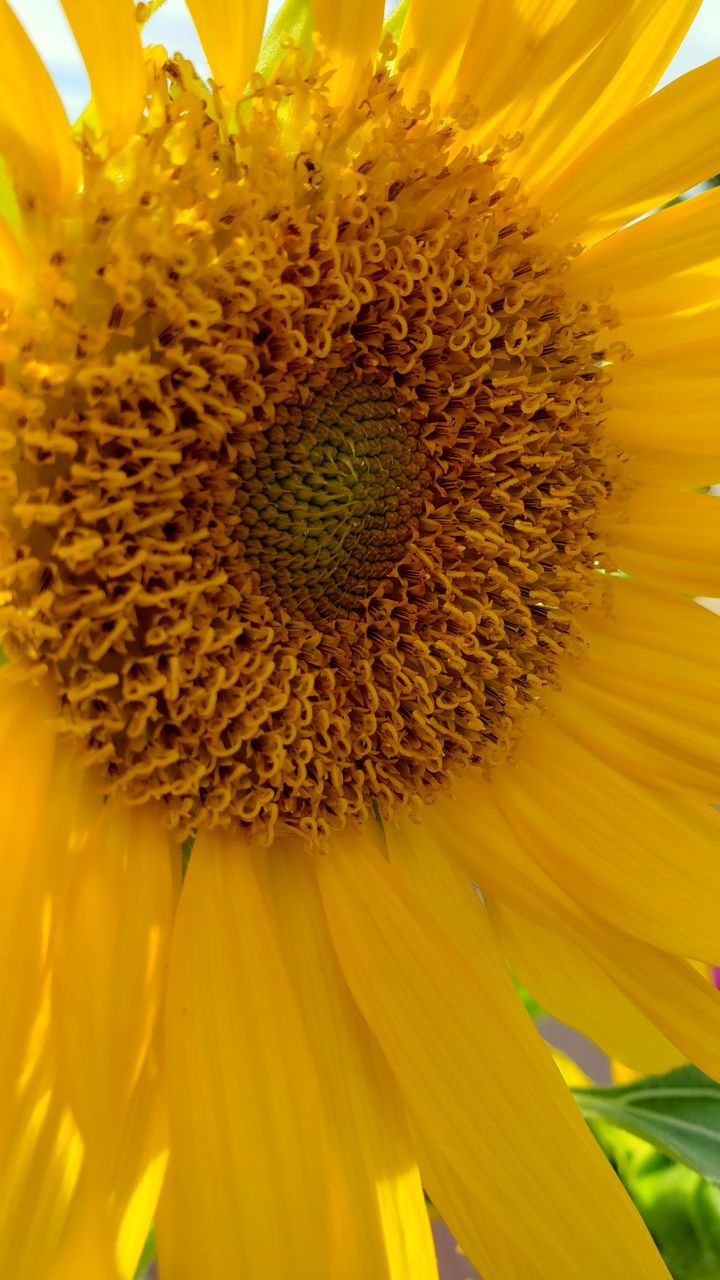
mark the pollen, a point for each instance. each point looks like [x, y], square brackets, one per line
[302, 456]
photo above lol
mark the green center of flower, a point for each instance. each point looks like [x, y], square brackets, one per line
[329, 498]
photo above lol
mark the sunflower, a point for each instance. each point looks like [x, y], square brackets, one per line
[356, 431]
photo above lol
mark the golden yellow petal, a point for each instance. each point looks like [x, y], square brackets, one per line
[230, 34]
[655, 737]
[437, 34]
[673, 995]
[27, 746]
[350, 35]
[644, 264]
[40, 1169]
[12, 267]
[658, 882]
[571, 985]
[109, 956]
[114, 1204]
[662, 147]
[480, 1084]
[515, 62]
[35, 138]
[620, 71]
[651, 409]
[378, 1215]
[671, 539]
[249, 1171]
[665, 988]
[676, 317]
[108, 36]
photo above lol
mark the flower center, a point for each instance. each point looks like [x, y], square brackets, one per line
[330, 497]
[303, 459]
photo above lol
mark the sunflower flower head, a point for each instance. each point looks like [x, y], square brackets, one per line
[340, 531]
[303, 453]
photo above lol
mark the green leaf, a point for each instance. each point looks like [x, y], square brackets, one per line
[148, 1254]
[679, 1113]
[534, 1009]
[186, 851]
[681, 1209]
[293, 19]
[394, 24]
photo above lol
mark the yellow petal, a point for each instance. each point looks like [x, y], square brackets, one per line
[650, 407]
[112, 1209]
[620, 71]
[40, 1169]
[230, 34]
[248, 1179]
[638, 262]
[671, 539]
[437, 34]
[12, 267]
[108, 36]
[658, 150]
[661, 741]
[109, 955]
[27, 745]
[665, 988]
[35, 138]
[378, 1209]
[350, 35]
[678, 318]
[482, 1088]
[573, 987]
[514, 62]
[643, 860]
[672, 994]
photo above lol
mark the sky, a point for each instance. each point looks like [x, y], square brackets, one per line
[171, 26]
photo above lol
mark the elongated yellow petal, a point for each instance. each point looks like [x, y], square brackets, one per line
[570, 984]
[498, 1251]
[109, 956]
[620, 71]
[12, 267]
[112, 1210]
[638, 263]
[248, 1179]
[641, 883]
[678, 318]
[670, 991]
[35, 138]
[513, 63]
[230, 34]
[647, 697]
[378, 1211]
[350, 34]
[650, 407]
[108, 36]
[482, 1089]
[665, 988]
[40, 1169]
[437, 34]
[664, 146]
[671, 539]
[655, 738]
[27, 746]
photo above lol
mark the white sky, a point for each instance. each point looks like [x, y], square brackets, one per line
[171, 26]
